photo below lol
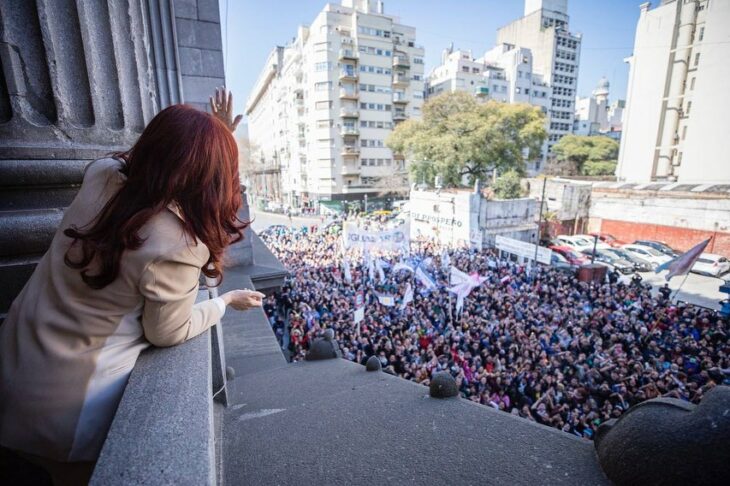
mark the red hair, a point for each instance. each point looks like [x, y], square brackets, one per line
[186, 157]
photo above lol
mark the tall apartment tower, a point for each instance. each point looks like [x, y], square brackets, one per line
[555, 56]
[675, 121]
[325, 103]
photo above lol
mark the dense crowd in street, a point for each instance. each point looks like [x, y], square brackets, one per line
[534, 342]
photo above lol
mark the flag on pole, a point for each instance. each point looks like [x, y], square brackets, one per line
[462, 284]
[370, 266]
[407, 296]
[445, 259]
[425, 278]
[386, 300]
[683, 263]
[402, 266]
[379, 267]
[346, 269]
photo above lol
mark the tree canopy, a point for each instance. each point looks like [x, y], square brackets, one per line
[507, 186]
[592, 154]
[460, 137]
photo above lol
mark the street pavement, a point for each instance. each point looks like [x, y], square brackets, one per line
[261, 220]
[697, 289]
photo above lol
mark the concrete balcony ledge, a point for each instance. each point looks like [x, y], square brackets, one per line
[163, 430]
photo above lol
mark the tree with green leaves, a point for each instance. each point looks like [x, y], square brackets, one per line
[507, 186]
[590, 155]
[460, 138]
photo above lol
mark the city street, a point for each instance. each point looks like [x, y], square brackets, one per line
[261, 220]
[698, 289]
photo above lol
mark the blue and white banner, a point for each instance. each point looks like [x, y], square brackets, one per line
[393, 239]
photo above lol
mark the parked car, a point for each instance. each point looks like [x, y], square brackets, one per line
[611, 260]
[658, 245]
[561, 263]
[576, 243]
[572, 256]
[600, 245]
[711, 264]
[640, 265]
[608, 239]
[655, 257]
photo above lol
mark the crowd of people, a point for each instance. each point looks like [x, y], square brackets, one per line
[534, 342]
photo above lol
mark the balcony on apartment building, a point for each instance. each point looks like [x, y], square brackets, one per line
[348, 54]
[349, 112]
[349, 93]
[399, 97]
[399, 115]
[348, 73]
[350, 169]
[350, 150]
[349, 131]
[401, 79]
[401, 61]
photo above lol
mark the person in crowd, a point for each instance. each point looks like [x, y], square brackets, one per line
[122, 274]
[536, 343]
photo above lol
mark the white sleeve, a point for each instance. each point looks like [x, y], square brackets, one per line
[221, 305]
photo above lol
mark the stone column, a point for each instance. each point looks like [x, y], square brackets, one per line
[78, 80]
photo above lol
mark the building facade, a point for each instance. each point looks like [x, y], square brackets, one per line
[675, 122]
[555, 52]
[595, 115]
[325, 103]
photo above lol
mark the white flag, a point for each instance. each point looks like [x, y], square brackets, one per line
[346, 269]
[462, 285]
[445, 259]
[402, 266]
[379, 268]
[407, 296]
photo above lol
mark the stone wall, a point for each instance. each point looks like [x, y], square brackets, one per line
[79, 80]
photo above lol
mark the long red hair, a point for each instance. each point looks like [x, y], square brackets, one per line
[185, 157]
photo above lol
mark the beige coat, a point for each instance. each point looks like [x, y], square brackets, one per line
[66, 350]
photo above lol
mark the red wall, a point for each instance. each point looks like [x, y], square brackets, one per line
[678, 238]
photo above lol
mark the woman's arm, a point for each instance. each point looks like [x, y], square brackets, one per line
[169, 286]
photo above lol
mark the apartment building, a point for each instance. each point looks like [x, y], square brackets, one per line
[676, 118]
[596, 115]
[325, 103]
[544, 30]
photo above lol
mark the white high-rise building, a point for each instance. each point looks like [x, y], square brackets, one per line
[325, 103]
[595, 115]
[676, 118]
[555, 56]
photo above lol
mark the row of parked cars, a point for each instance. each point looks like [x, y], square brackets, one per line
[639, 256]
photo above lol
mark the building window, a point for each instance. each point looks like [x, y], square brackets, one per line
[323, 86]
[324, 123]
[689, 107]
[692, 84]
[702, 33]
[684, 132]
[323, 105]
[322, 66]
[697, 59]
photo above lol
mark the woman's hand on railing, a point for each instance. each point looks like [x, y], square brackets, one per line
[222, 107]
[243, 299]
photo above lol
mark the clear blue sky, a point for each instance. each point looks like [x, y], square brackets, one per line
[254, 27]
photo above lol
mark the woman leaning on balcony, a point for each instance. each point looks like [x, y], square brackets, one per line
[121, 274]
